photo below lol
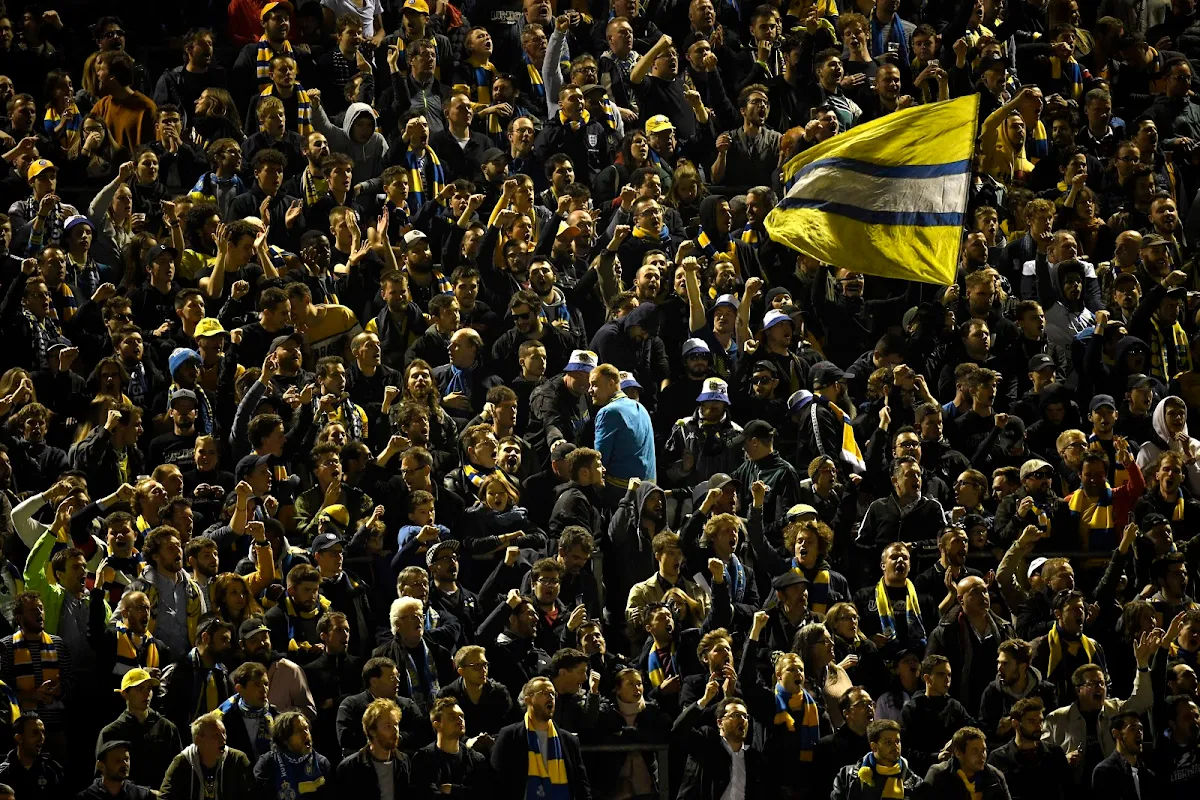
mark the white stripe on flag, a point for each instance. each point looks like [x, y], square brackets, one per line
[940, 195]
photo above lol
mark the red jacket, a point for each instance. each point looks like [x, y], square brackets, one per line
[1103, 541]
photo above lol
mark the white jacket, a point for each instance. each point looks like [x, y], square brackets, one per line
[1066, 727]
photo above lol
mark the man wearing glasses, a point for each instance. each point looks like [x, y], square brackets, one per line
[533, 758]
[1085, 742]
[485, 703]
[721, 761]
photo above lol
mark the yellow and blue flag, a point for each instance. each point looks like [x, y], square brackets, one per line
[887, 197]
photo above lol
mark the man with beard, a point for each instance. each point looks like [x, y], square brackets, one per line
[952, 559]
[198, 682]
[449, 761]
[530, 324]
[560, 309]
[579, 501]
[1033, 767]
[1027, 506]
[126, 643]
[1157, 322]
[174, 597]
[1016, 681]
[533, 756]
[763, 463]
[678, 400]
[293, 621]
[288, 684]
[1126, 773]
[176, 447]
[1174, 760]
[379, 769]
[1165, 499]
[881, 767]
[1077, 520]
[398, 322]
[704, 443]
[248, 713]
[113, 762]
[846, 745]
[748, 156]
[446, 595]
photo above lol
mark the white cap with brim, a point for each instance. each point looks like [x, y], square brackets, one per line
[582, 361]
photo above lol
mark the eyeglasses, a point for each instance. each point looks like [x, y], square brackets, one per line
[960, 484]
[761, 380]
[478, 665]
[525, 315]
[549, 581]
[1093, 684]
[737, 715]
[114, 34]
[123, 317]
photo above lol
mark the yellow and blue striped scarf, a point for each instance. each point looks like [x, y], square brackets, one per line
[475, 475]
[1071, 70]
[52, 118]
[912, 612]
[1037, 143]
[806, 709]
[417, 195]
[660, 667]
[322, 606]
[303, 107]
[893, 785]
[574, 124]
[749, 235]
[262, 61]
[547, 774]
[296, 776]
[535, 79]
[24, 672]
[127, 652]
[818, 586]
[312, 187]
[1101, 531]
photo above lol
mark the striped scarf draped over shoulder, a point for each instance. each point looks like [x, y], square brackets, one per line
[262, 60]
[303, 107]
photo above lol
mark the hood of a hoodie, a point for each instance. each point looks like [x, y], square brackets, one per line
[1159, 420]
[644, 316]
[643, 491]
[1124, 345]
[355, 111]
[1058, 393]
[708, 220]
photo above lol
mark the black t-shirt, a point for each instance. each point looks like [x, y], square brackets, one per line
[171, 448]
[1092, 753]
[666, 97]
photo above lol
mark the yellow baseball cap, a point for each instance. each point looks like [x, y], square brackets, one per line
[40, 166]
[419, 6]
[209, 327]
[657, 123]
[136, 677]
[269, 7]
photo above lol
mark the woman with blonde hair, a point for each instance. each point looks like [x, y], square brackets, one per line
[16, 391]
[854, 652]
[687, 190]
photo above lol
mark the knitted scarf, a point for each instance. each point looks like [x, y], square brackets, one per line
[296, 775]
[535, 80]
[483, 75]
[715, 243]
[52, 118]
[312, 188]
[293, 613]
[749, 235]
[262, 736]
[1070, 70]
[912, 611]
[42, 334]
[574, 124]
[262, 60]
[24, 671]
[661, 664]
[417, 193]
[970, 784]
[128, 652]
[1160, 355]
[346, 413]
[806, 709]
[662, 236]
[818, 585]
[475, 475]
[1101, 533]
[547, 773]
[1055, 639]
[422, 678]
[210, 698]
[895, 36]
[303, 107]
[893, 777]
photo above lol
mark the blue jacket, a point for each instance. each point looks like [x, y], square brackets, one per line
[625, 439]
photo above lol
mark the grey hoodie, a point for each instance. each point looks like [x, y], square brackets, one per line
[368, 157]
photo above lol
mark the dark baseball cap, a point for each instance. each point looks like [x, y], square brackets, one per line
[1102, 400]
[1040, 361]
[248, 464]
[824, 373]
[757, 429]
[250, 627]
[104, 748]
[1138, 381]
[286, 339]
